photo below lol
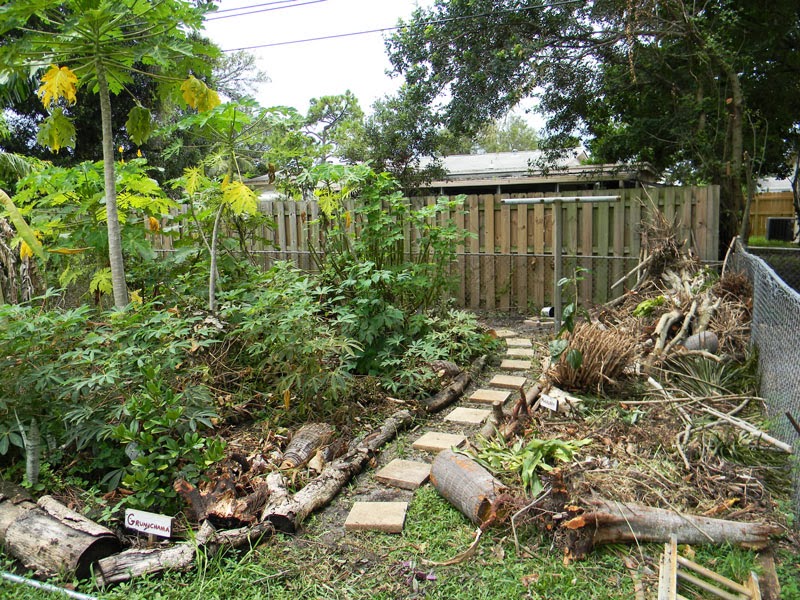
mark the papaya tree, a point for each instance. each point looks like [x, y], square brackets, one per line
[97, 46]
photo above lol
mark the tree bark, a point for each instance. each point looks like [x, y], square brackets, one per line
[112, 216]
[466, 485]
[49, 538]
[287, 515]
[304, 444]
[608, 522]
[454, 391]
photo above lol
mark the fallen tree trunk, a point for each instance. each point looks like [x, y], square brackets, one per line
[181, 557]
[48, 537]
[608, 522]
[287, 515]
[466, 485]
[454, 391]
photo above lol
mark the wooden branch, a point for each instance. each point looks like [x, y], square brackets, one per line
[635, 269]
[454, 391]
[304, 444]
[611, 522]
[681, 335]
[751, 429]
[287, 515]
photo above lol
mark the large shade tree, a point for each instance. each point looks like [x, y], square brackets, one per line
[687, 86]
[98, 46]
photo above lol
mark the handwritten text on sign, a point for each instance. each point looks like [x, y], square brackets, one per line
[148, 522]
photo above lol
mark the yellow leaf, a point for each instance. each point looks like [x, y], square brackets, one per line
[136, 297]
[240, 198]
[58, 83]
[67, 251]
[25, 250]
[348, 219]
[198, 95]
[287, 397]
[154, 224]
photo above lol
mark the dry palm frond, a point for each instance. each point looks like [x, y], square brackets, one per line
[604, 355]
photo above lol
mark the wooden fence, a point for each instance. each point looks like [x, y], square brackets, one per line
[773, 204]
[507, 262]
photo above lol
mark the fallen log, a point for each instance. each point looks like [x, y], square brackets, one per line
[50, 538]
[181, 557]
[466, 485]
[609, 522]
[288, 514]
[454, 391]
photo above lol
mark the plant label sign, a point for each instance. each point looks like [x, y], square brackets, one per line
[548, 402]
[148, 522]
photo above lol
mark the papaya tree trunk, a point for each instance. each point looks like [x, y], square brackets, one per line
[212, 275]
[112, 217]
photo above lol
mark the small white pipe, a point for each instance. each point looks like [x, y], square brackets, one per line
[551, 199]
[45, 586]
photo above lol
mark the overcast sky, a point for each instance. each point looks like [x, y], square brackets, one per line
[299, 72]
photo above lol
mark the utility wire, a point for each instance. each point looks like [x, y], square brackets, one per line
[398, 27]
[225, 10]
[262, 10]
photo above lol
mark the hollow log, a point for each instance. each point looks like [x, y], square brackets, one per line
[611, 522]
[48, 537]
[466, 485]
[454, 391]
[287, 515]
[305, 443]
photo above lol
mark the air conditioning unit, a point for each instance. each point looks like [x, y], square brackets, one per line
[780, 228]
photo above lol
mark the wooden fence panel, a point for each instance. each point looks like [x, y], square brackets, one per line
[774, 204]
[505, 260]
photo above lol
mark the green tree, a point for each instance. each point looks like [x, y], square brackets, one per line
[685, 86]
[509, 134]
[102, 42]
[335, 122]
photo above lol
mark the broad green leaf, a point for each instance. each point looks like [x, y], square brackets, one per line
[240, 198]
[58, 83]
[574, 358]
[23, 229]
[101, 282]
[198, 95]
[139, 125]
[557, 348]
[56, 131]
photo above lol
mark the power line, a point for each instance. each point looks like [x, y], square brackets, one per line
[263, 10]
[225, 10]
[398, 27]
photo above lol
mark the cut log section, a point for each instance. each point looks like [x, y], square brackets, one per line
[48, 537]
[609, 522]
[466, 485]
[305, 443]
[288, 514]
[454, 391]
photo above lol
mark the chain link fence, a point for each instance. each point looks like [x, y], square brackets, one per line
[774, 331]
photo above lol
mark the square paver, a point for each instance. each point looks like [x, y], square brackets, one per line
[470, 416]
[435, 441]
[406, 474]
[510, 364]
[520, 352]
[518, 343]
[508, 382]
[489, 396]
[388, 517]
[505, 333]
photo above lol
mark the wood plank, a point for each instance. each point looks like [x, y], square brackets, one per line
[474, 259]
[669, 209]
[586, 250]
[687, 209]
[602, 283]
[539, 268]
[292, 230]
[489, 257]
[461, 261]
[314, 229]
[635, 227]
[504, 266]
[521, 270]
[701, 224]
[280, 217]
[713, 199]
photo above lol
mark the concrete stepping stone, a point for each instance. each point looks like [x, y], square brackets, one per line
[489, 396]
[505, 333]
[518, 343]
[388, 517]
[435, 441]
[520, 352]
[405, 474]
[508, 382]
[470, 416]
[510, 364]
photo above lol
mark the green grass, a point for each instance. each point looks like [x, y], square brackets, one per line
[324, 564]
[762, 242]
